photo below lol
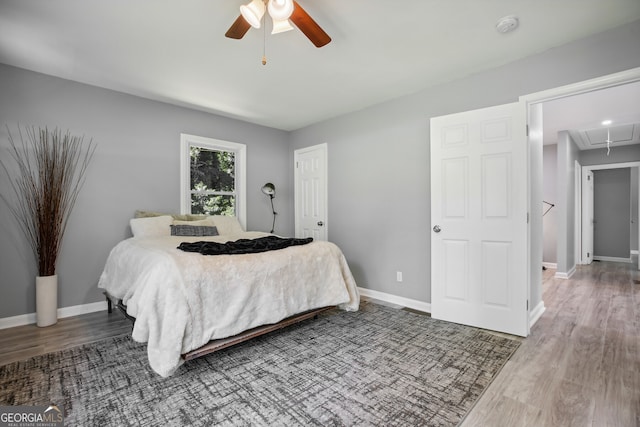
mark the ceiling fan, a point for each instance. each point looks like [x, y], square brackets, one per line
[282, 12]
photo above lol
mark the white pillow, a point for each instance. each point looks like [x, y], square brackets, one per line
[151, 227]
[227, 224]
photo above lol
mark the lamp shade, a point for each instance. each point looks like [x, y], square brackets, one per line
[280, 9]
[269, 189]
[253, 12]
[281, 26]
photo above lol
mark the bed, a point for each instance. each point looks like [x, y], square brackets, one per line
[181, 301]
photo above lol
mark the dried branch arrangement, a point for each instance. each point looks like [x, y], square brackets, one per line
[49, 172]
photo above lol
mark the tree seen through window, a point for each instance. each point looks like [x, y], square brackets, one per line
[213, 181]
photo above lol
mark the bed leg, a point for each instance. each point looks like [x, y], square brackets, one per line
[109, 304]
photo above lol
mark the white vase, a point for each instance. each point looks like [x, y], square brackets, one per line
[46, 300]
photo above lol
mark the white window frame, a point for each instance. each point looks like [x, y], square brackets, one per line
[240, 150]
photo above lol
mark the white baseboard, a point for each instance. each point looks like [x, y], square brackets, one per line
[635, 252]
[536, 313]
[567, 275]
[612, 259]
[76, 310]
[30, 318]
[394, 299]
[551, 265]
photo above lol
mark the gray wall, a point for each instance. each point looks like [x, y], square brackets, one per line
[379, 207]
[612, 213]
[136, 166]
[549, 194]
[568, 153]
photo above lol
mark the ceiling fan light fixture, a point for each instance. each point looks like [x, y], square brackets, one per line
[280, 10]
[253, 12]
[281, 26]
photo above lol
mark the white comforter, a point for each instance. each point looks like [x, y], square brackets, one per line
[183, 300]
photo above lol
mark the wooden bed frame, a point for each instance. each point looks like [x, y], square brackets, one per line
[215, 345]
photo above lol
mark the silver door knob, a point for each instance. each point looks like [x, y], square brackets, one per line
[436, 228]
[320, 223]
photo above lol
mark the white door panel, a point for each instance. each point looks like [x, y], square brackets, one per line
[479, 202]
[311, 192]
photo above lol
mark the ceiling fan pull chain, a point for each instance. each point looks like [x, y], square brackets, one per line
[264, 40]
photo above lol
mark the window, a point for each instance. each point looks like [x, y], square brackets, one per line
[212, 177]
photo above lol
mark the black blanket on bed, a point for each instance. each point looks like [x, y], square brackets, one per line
[243, 246]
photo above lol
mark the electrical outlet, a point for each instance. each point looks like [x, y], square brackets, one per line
[399, 276]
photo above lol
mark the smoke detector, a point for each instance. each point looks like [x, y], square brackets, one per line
[507, 24]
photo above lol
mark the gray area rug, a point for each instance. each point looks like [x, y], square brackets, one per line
[378, 366]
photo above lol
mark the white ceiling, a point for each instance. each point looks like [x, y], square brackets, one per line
[175, 51]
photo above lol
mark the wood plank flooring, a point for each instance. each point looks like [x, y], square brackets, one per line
[579, 367]
[22, 342]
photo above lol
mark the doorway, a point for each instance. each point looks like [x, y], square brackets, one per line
[566, 212]
[588, 232]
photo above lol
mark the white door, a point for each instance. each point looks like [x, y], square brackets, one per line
[587, 216]
[479, 198]
[311, 192]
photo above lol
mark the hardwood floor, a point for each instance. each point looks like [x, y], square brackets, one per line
[22, 342]
[579, 367]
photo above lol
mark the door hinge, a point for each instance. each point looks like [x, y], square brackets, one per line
[527, 130]
[297, 165]
[527, 305]
[588, 177]
[527, 217]
[588, 255]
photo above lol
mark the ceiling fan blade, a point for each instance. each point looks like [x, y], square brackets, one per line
[238, 29]
[308, 26]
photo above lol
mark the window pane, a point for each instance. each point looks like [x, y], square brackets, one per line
[209, 204]
[212, 170]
